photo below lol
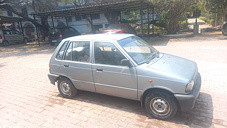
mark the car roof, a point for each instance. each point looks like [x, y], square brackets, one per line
[100, 37]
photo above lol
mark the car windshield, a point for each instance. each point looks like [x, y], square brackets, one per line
[138, 49]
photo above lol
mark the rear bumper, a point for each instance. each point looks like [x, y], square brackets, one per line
[187, 101]
[53, 78]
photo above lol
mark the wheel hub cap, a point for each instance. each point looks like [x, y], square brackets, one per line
[160, 105]
[65, 88]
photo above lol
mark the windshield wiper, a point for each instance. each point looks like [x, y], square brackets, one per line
[152, 57]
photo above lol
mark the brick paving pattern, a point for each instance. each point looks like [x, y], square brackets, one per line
[27, 99]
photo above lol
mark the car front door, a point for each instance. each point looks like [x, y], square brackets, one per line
[18, 37]
[76, 65]
[110, 76]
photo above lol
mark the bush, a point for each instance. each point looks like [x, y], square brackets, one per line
[157, 29]
[211, 21]
[183, 25]
[203, 18]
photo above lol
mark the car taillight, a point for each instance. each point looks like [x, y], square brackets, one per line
[0, 36]
[120, 31]
[60, 35]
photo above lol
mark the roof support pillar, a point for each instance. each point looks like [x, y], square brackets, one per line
[66, 19]
[3, 34]
[22, 30]
[153, 20]
[52, 21]
[120, 17]
[141, 17]
[36, 29]
[92, 26]
[148, 21]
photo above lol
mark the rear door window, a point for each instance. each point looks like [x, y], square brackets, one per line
[78, 51]
[7, 32]
[61, 51]
[15, 32]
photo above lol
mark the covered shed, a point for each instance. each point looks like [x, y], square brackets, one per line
[102, 8]
[7, 19]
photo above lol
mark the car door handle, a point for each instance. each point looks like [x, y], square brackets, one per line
[66, 65]
[99, 69]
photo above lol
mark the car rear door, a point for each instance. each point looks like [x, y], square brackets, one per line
[110, 76]
[76, 65]
[18, 37]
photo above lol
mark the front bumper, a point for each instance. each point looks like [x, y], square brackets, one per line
[53, 78]
[187, 101]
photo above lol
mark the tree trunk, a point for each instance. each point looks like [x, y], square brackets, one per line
[112, 17]
[45, 26]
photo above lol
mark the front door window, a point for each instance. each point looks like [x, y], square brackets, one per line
[107, 53]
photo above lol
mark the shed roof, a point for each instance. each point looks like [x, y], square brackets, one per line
[100, 8]
[7, 19]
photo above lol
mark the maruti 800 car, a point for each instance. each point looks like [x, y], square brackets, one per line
[126, 66]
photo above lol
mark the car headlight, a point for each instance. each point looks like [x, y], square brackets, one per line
[189, 86]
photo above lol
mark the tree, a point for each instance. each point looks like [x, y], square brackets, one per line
[172, 12]
[217, 8]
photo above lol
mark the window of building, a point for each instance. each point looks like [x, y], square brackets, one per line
[95, 16]
[79, 18]
[69, 19]
[9, 13]
[24, 11]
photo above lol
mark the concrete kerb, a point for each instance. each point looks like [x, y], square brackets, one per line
[178, 35]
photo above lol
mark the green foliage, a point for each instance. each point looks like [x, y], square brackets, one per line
[209, 20]
[163, 19]
[172, 13]
[157, 29]
[183, 25]
[214, 9]
[203, 18]
[161, 30]
[133, 16]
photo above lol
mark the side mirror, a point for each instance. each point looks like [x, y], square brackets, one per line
[126, 62]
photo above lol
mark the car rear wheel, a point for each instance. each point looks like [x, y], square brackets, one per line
[66, 88]
[224, 33]
[160, 105]
[5, 43]
[224, 29]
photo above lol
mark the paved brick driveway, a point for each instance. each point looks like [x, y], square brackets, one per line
[27, 99]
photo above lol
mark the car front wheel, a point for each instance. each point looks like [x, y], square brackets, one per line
[66, 88]
[160, 105]
[5, 43]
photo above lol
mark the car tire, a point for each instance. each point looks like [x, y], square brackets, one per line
[225, 34]
[161, 105]
[5, 43]
[66, 88]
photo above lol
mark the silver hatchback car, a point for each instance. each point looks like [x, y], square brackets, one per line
[124, 65]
